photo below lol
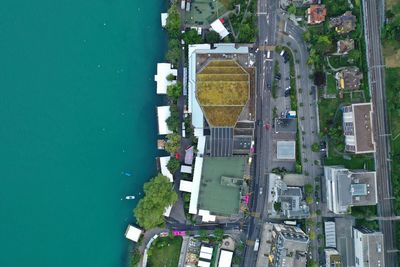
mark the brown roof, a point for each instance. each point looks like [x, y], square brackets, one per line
[344, 23]
[363, 129]
[316, 14]
[344, 46]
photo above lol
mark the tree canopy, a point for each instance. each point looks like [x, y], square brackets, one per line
[173, 165]
[173, 143]
[173, 22]
[158, 195]
[174, 51]
[212, 37]
[173, 120]
[174, 91]
[192, 37]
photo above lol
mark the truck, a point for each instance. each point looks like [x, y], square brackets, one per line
[256, 244]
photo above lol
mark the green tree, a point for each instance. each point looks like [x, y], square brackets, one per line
[173, 143]
[173, 165]
[173, 121]
[312, 235]
[174, 52]
[323, 44]
[212, 37]
[203, 235]
[135, 258]
[192, 37]
[173, 22]
[170, 77]
[292, 9]
[315, 147]
[174, 91]
[308, 188]
[278, 206]
[307, 36]
[246, 33]
[158, 195]
[312, 263]
[309, 200]
[219, 233]
[355, 55]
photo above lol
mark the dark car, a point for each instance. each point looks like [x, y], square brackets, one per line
[278, 76]
[287, 92]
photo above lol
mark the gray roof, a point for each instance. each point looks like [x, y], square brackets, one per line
[286, 150]
[330, 234]
[221, 142]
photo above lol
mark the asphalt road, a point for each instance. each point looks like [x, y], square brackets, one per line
[376, 81]
[266, 36]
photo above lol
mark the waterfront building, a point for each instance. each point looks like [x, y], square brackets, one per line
[163, 114]
[164, 71]
[133, 233]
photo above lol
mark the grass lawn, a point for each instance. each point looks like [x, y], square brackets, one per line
[164, 252]
[331, 84]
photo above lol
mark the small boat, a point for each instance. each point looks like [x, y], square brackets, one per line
[127, 173]
[130, 197]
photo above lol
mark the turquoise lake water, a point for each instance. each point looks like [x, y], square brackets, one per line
[77, 108]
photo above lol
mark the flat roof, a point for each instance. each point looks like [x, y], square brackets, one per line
[164, 17]
[219, 199]
[225, 258]
[194, 196]
[219, 27]
[286, 150]
[164, 170]
[363, 130]
[186, 169]
[163, 114]
[203, 264]
[186, 186]
[163, 70]
[133, 233]
[330, 234]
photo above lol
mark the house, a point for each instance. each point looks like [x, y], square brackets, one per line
[332, 258]
[345, 46]
[164, 70]
[290, 199]
[282, 245]
[368, 248]
[349, 78]
[346, 188]
[344, 23]
[218, 26]
[358, 128]
[316, 14]
[133, 233]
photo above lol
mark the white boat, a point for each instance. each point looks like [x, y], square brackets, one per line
[130, 197]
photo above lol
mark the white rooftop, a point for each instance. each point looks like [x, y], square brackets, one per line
[203, 264]
[164, 170]
[163, 114]
[164, 17]
[286, 150]
[133, 233]
[206, 216]
[206, 252]
[186, 169]
[186, 186]
[219, 27]
[194, 196]
[163, 70]
[225, 258]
